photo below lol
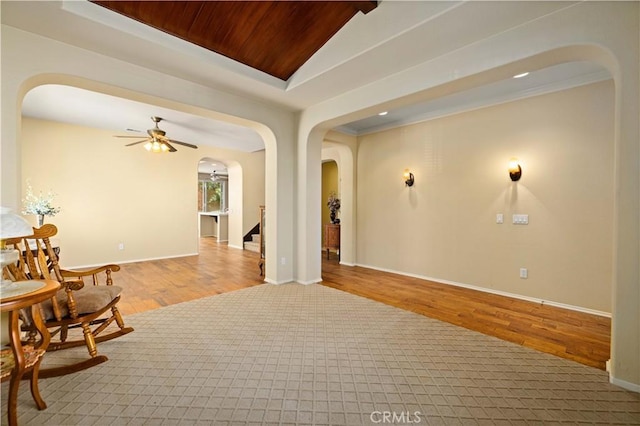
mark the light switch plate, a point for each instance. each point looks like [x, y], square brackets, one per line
[520, 219]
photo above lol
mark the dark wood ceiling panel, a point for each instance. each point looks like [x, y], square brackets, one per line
[276, 37]
[232, 37]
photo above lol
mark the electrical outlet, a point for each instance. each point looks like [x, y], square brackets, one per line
[499, 218]
[524, 273]
[121, 246]
[283, 261]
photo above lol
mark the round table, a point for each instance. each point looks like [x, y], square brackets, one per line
[18, 359]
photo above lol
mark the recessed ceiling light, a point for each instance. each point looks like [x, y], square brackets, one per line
[383, 113]
[524, 74]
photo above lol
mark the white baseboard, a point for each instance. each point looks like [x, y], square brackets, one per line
[121, 262]
[633, 387]
[492, 291]
[270, 281]
[316, 281]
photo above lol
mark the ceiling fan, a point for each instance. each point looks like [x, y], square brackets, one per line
[157, 141]
[219, 177]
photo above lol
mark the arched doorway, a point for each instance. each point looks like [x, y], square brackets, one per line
[213, 199]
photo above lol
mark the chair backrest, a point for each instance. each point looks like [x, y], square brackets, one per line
[37, 260]
[36, 257]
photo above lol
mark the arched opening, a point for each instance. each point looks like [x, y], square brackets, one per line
[443, 100]
[214, 188]
[330, 207]
[339, 149]
[544, 60]
[147, 205]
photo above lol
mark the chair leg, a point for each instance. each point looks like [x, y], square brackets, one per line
[35, 390]
[117, 316]
[89, 339]
[64, 330]
[12, 405]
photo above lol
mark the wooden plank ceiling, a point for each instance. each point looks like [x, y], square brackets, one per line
[276, 37]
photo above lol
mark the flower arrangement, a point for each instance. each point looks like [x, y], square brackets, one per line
[40, 204]
[334, 205]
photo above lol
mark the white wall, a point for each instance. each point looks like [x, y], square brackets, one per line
[444, 227]
[111, 194]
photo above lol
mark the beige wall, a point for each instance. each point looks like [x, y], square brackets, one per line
[444, 227]
[111, 194]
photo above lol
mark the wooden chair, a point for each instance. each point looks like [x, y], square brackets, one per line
[78, 304]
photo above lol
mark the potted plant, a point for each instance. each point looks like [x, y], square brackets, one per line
[40, 205]
[334, 206]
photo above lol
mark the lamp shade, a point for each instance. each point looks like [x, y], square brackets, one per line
[12, 225]
[515, 170]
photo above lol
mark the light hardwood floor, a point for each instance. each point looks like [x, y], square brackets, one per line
[218, 269]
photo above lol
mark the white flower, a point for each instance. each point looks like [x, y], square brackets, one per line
[40, 205]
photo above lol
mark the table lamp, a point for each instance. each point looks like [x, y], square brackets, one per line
[11, 226]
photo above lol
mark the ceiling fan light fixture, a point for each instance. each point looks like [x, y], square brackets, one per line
[155, 146]
[157, 141]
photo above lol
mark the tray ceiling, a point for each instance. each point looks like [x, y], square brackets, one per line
[276, 37]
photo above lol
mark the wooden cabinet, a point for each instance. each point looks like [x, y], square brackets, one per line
[332, 238]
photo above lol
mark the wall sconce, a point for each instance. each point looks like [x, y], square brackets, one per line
[515, 171]
[408, 178]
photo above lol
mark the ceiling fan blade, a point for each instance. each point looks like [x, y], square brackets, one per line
[137, 142]
[183, 143]
[119, 136]
[171, 148]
